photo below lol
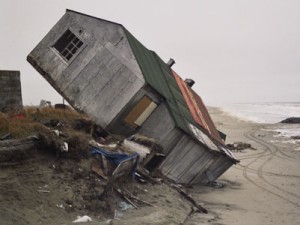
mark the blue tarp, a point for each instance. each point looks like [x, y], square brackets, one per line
[114, 157]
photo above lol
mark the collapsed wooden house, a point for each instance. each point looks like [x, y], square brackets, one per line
[101, 69]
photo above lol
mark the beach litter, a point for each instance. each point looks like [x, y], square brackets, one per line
[238, 146]
[43, 189]
[64, 147]
[125, 206]
[82, 219]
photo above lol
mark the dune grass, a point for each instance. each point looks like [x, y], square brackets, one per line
[30, 120]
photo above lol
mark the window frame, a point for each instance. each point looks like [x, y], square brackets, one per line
[136, 117]
[58, 53]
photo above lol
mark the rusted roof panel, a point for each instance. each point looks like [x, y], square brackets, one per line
[198, 109]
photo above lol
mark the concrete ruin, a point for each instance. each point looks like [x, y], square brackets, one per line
[10, 91]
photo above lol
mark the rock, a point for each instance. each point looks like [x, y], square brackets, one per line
[296, 137]
[291, 120]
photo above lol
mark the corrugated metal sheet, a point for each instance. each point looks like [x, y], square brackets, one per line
[197, 108]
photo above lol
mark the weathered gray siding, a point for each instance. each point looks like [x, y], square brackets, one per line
[217, 168]
[160, 126]
[104, 87]
[186, 161]
[102, 78]
[10, 91]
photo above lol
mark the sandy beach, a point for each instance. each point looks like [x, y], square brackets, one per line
[264, 188]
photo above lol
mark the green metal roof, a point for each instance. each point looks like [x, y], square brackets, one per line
[159, 76]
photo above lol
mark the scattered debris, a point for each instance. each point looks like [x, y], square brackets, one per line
[154, 180]
[124, 169]
[44, 103]
[189, 198]
[5, 136]
[146, 141]
[43, 191]
[80, 176]
[82, 219]
[125, 197]
[118, 214]
[238, 146]
[64, 147]
[17, 150]
[97, 169]
[60, 206]
[139, 200]
[124, 206]
[95, 144]
[62, 106]
[215, 184]
[132, 146]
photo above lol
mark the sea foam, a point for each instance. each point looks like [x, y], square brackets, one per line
[263, 112]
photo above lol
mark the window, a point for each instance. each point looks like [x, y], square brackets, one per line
[68, 44]
[140, 112]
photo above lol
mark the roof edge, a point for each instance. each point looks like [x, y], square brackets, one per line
[83, 14]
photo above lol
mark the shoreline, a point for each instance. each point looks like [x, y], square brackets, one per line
[264, 188]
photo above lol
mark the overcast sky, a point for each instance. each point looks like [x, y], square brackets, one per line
[235, 50]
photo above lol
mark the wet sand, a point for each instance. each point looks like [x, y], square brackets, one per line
[264, 188]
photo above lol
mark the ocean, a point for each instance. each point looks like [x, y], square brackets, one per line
[269, 113]
[263, 112]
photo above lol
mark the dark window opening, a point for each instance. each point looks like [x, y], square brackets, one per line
[68, 44]
[154, 162]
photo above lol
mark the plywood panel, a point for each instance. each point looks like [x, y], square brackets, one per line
[136, 112]
[139, 121]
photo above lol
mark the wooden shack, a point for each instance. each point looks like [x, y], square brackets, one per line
[100, 68]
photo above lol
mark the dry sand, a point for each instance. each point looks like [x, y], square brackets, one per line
[264, 188]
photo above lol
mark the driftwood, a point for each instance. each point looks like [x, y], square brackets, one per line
[137, 199]
[17, 149]
[125, 197]
[189, 198]
[148, 177]
[142, 201]
[5, 136]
